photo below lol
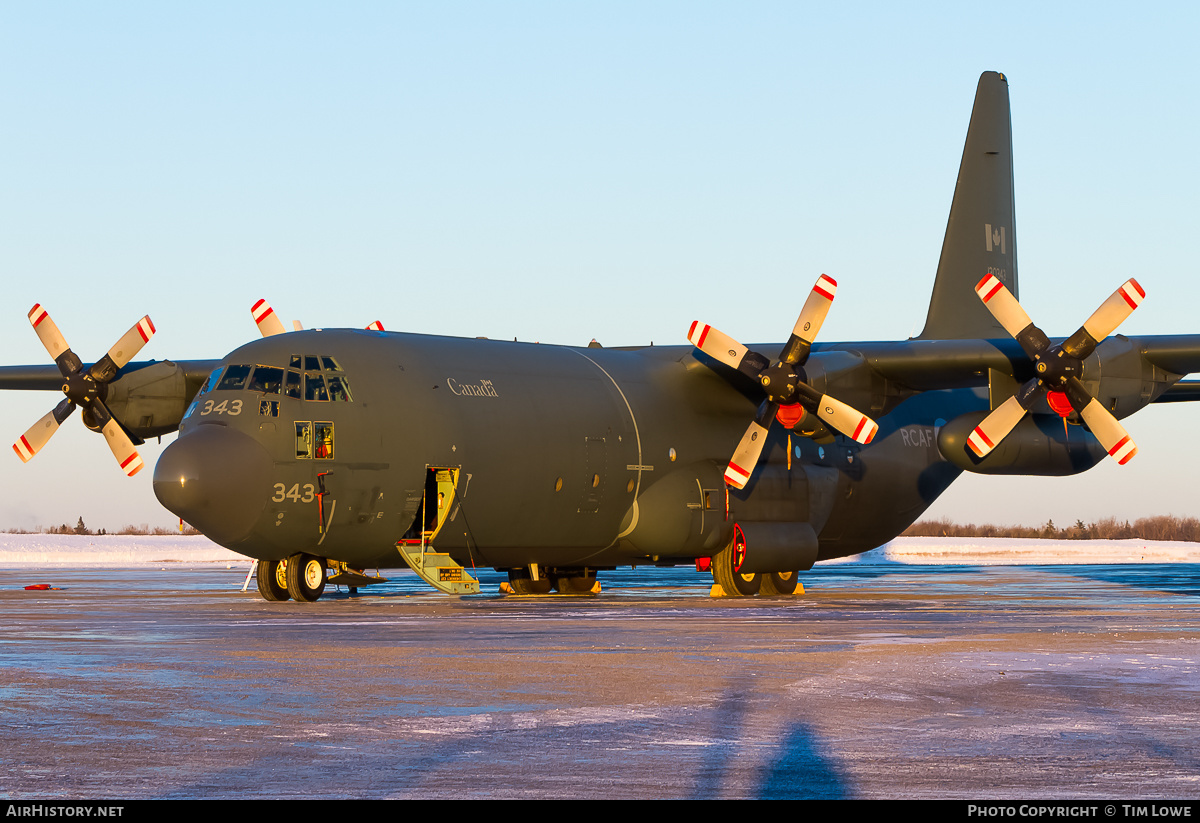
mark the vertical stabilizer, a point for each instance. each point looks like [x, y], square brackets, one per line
[981, 236]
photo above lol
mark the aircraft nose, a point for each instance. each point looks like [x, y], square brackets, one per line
[217, 479]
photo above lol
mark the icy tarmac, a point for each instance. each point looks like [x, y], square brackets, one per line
[161, 679]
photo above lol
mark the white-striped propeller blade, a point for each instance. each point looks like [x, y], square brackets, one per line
[745, 456]
[1114, 310]
[39, 434]
[816, 307]
[1111, 434]
[1003, 306]
[716, 344]
[266, 319]
[847, 419]
[47, 331]
[131, 342]
[122, 448]
[995, 427]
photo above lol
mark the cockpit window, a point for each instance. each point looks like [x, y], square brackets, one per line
[205, 389]
[235, 378]
[212, 380]
[314, 388]
[316, 384]
[267, 379]
[339, 389]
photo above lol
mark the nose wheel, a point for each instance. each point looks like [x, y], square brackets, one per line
[305, 575]
[272, 580]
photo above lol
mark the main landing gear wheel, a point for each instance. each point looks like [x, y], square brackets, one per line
[305, 577]
[522, 583]
[578, 584]
[272, 580]
[725, 565]
[780, 583]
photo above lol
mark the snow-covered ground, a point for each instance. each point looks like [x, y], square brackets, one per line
[59, 550]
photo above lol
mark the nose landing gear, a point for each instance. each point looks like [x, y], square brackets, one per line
[300, 577]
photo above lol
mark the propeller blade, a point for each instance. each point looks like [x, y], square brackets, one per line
[1111, 434]
[40, 432]
[266, 319]
[122, 447]
[996, 426]
[846, 419]
[716, 344]
[816, 308]
[131, 342]
[56, 345]
[749, 449]
[297, 326]
[47, 331]
[1008, 312]
[376, 326]
[124, 350]
[1104, 321]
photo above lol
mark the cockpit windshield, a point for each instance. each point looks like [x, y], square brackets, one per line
[314, 377]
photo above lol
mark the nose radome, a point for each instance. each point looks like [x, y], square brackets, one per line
[217, 479]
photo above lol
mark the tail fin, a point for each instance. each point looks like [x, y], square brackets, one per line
[981, 235]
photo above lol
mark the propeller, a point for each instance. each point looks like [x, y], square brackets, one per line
[269, 324]
[789, 397]
[86, 388]
[1058, 368]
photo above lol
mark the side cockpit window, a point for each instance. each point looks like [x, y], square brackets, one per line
[212, 380]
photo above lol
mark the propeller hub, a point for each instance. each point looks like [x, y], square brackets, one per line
[1055, 367]
[780, 381]
[81, 389]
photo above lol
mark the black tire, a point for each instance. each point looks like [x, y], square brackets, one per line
[780, 583]
[522, 583]
[580, 584]
[725, 564]
[305, 577]
[272, 580]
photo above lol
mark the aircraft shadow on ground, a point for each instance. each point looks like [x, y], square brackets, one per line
[801, 768]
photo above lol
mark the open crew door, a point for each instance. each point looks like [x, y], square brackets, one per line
[436, 568]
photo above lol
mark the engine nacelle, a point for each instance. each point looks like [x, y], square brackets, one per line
[1038, 445]
[149, 400]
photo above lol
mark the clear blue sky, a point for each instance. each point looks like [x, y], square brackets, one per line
[562, 171]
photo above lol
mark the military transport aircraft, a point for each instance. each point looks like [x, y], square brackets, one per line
[325, 453]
